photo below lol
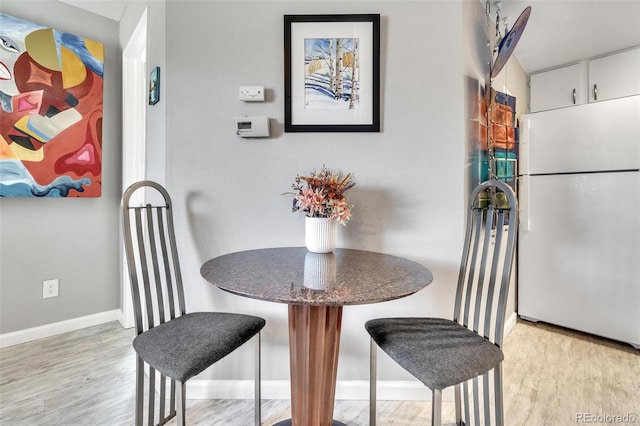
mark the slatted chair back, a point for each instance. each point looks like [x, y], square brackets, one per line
[152, 257]
[155, 280]
[483, 284]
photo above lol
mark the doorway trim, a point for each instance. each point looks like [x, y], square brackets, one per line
[134, 123]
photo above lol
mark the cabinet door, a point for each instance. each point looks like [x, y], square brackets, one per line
[614, 76]
[558, 88]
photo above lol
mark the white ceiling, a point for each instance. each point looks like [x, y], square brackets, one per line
[112, 9]
[563, 31]
[558, 31]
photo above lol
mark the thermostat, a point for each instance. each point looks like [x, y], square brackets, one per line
[252, 127]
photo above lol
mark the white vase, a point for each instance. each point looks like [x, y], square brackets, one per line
[319, 270]
[320, 234]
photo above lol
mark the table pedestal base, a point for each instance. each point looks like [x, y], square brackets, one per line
[288, 423]
[314, 341]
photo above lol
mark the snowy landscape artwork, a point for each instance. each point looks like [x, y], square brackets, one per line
[331, 73]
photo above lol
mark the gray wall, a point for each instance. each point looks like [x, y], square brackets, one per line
[409, 197]
[74, 240]
[411, 184]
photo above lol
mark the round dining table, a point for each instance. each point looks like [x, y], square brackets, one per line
[315, 286]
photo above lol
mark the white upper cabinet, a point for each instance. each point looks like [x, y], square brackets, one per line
[558, 88]
[614, 76]
[608, 77]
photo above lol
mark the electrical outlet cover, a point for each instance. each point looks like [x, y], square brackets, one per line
[50, 288]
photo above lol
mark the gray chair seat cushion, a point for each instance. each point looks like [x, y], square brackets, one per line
[187, 345]
[438, 352]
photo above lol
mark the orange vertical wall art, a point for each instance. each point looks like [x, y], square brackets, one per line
[51, 94]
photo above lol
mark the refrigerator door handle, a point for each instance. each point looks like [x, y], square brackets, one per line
[523, 203]
[525, 135]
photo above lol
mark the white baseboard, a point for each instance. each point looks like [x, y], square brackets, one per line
[126, 321]
[48, 330]
[243, 389]
[280, 389]
[345, 389]
[510, 323]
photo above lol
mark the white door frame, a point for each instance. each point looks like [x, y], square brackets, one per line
[134, 123]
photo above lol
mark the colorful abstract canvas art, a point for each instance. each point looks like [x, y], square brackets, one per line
[51, 95]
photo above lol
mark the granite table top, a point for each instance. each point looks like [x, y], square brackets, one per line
[293, 275]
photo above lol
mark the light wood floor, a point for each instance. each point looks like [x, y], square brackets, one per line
[86, 378]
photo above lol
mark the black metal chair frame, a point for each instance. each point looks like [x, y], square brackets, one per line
[481, 298]
[158, 296]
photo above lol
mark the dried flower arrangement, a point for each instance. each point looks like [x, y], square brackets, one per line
[322, 194]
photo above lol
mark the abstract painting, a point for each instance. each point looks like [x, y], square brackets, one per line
[332, 73]
[493, 148]
[51, 95]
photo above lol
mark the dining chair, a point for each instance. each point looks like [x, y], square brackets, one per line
[464, 352]
[177, 344]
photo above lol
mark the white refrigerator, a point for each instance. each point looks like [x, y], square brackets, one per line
[579, 239]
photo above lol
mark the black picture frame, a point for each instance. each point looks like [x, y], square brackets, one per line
[332, 101]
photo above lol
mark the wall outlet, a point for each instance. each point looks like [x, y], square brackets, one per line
[50, 288]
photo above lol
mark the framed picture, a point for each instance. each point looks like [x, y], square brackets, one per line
[332, 73]
[154, 86]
